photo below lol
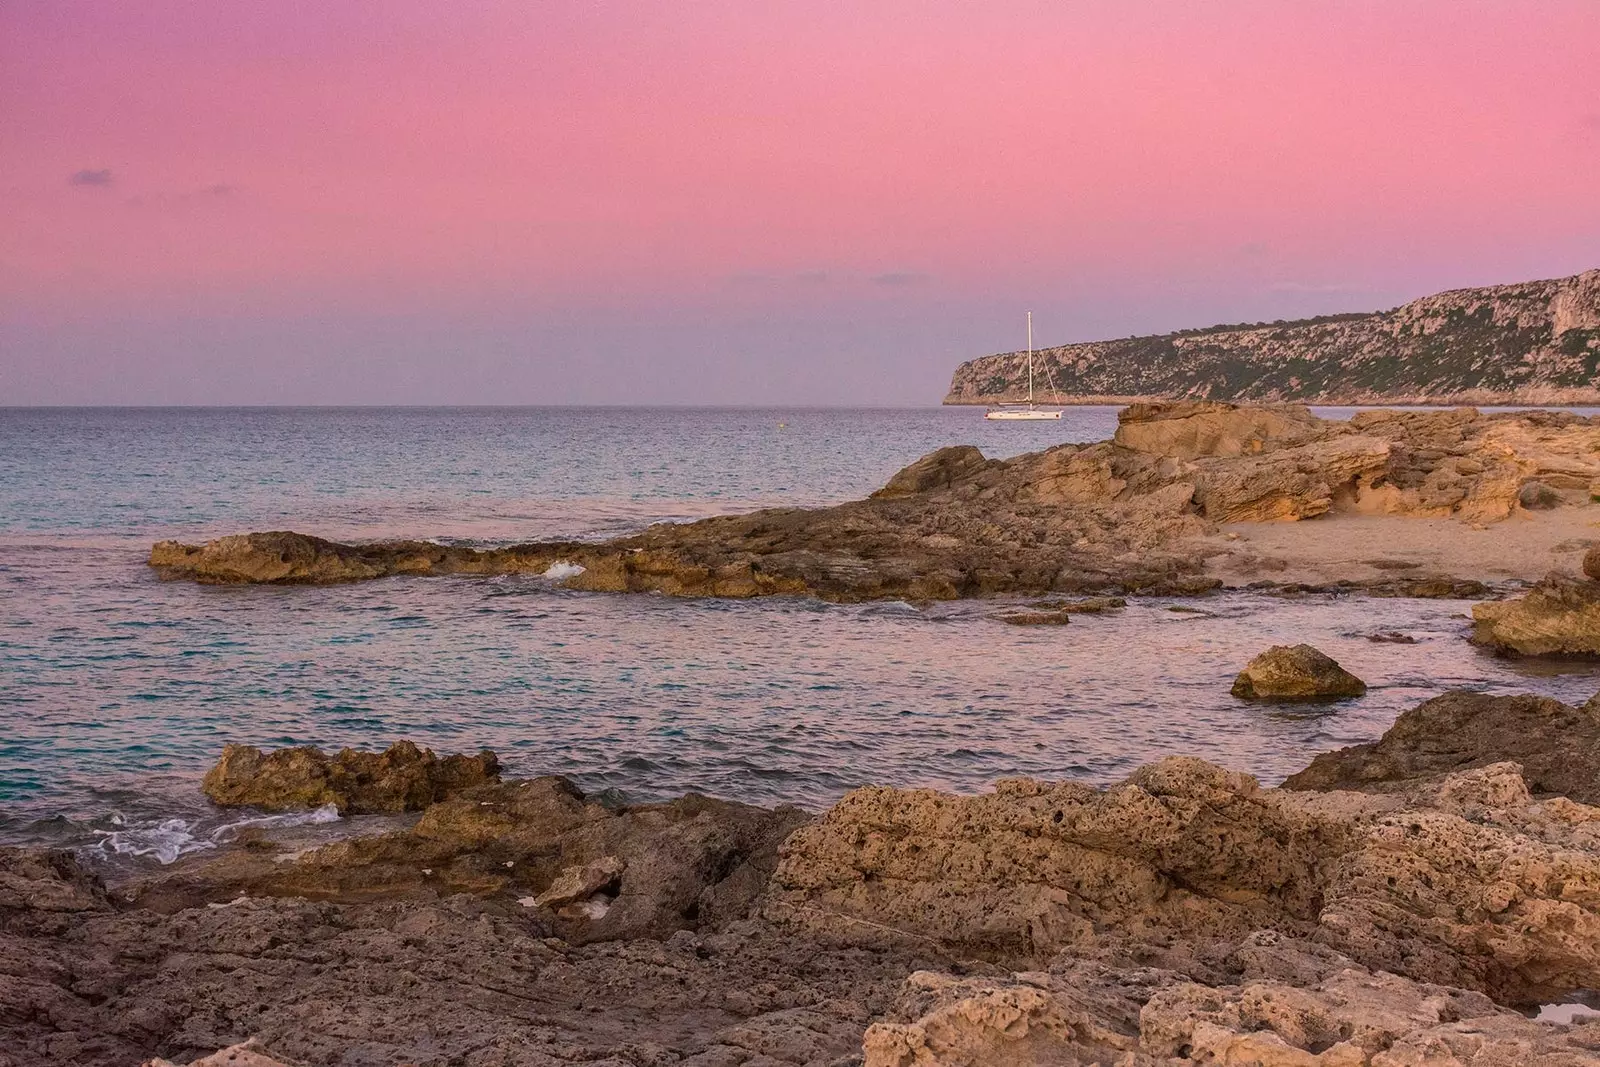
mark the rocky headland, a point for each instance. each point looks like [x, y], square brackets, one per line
[1186, 498]
[1526, 343]
[1399, 903]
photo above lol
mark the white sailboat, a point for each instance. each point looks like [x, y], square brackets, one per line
[1030, 413]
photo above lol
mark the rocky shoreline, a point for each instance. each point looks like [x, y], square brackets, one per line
[1185, 499]
[1398, 903]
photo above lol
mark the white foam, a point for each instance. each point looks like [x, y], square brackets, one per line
[168, 839]
[561, 570]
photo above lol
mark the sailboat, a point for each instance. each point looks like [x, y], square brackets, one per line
[1018, 413]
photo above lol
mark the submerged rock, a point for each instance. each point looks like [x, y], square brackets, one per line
[401, 778]
[1296, 672]
[1557, 747]
[1560, 616]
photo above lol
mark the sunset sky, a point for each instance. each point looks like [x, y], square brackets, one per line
[486, 201]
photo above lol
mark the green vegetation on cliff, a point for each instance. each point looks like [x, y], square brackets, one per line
[1528, 342]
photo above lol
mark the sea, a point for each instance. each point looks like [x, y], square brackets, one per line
[118, 690]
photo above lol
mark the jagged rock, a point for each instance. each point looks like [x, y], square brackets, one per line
[401, 778]
[937, 470]
[1591, 563]
[1188, 430]
[1506, 903]
[1296, 672]
[1557, 746]
[1139, 514]
[1558, 617]
[684, 862]
[581, 882]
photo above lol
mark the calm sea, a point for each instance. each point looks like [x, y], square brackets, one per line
[117, 690]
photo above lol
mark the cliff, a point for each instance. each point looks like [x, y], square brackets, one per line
[1532, 342]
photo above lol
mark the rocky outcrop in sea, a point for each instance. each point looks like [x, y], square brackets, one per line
[1142, 513]
[1526, 343]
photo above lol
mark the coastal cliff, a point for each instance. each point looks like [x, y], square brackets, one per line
[1533, 342]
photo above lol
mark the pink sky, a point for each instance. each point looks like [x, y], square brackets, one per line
[544, 202]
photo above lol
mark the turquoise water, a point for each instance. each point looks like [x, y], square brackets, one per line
[117, 690]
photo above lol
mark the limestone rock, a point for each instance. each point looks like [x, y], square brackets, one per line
[249, 1054]
[1188, 429]
[581, 882]
[1078, 1014]
[401, 778]
[1558, 617]
[1296, 672]
[1557, 746]
[675, 865]
[1504, 902]
[1522, 343]
[1138, 514]
[937, 470]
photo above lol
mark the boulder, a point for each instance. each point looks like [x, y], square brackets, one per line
[1191, 429]
[401, 778]
[1556, 745]
[937, 470]
[1296, 672]
[1560, 616]
[1591, 563]
[580, 882]
[1537, 496]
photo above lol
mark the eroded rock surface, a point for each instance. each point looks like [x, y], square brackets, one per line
[1309, 1011]
[1506, 901]
[1296, 672]
[1558, 617]
[1556, 746]
[1183, 916]
[1134, 514]
[401, 778]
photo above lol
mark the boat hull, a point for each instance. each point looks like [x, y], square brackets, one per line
[1024, 415]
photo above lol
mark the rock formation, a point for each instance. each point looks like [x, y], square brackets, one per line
[1531, 343]
[1296, 672]
[1345, 1016]
[1445, 887]
[1556, 746]
[1185, 916]
[1138, 514]
[401, 778]
[1558, 617]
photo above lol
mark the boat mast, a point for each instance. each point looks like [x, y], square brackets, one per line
[1030, 359]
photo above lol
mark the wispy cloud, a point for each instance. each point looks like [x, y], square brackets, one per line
[216, 191]
[91, 177]
[899, 277]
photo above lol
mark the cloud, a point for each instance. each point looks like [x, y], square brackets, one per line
[91, 177]
[899, 277]
[1591, 121]
[1253, 248]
